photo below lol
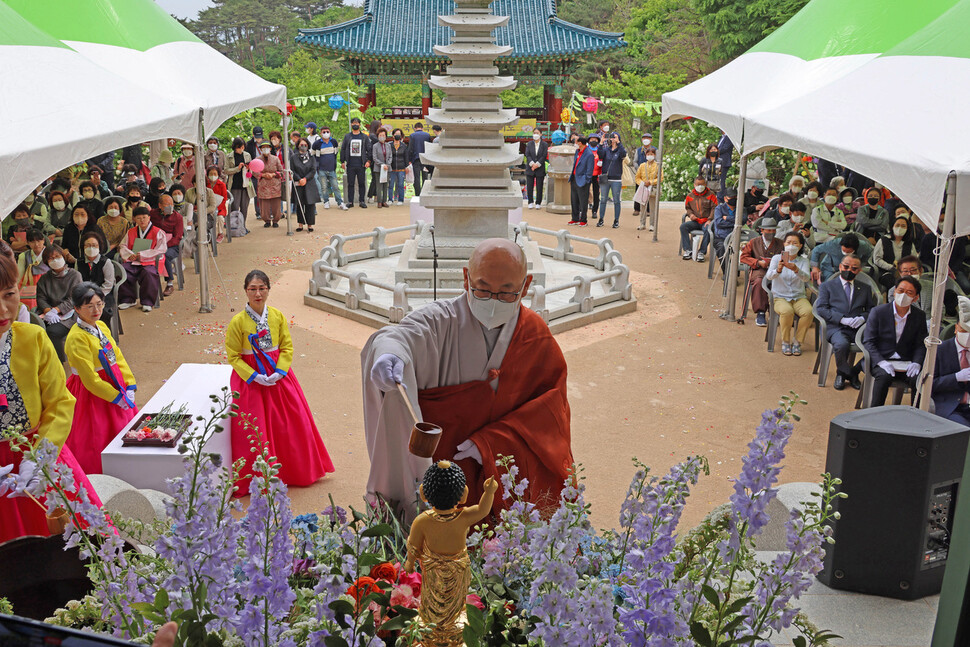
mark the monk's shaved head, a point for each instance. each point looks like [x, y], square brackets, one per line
[497, 264]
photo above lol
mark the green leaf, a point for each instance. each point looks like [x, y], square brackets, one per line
[396, 623]
[737, 605]
[404, 612]
[700, 633]
[380, 530]
[476, 618]
[161, 599]
[798, 641]
[470, 637]
[711, 595]
[370, 559]
[368, 626]
[342, 608]
[335, 641]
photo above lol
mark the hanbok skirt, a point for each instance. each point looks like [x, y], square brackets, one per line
[283, 423]
[96, 423]
[21, 516]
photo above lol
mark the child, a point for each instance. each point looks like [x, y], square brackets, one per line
[437, 540]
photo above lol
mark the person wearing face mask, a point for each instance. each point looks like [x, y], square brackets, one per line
[81, 223]
[162, 169]
[155, 188]
[436, 131]
[894, 337]
[827, 256]
[812, 197]
[90, 200]
[796, 187]
[848, 203]
[184, 171]
[166, 218]
[400, 159]
[594, 147]
[130, 177]
[60, 212]
[699, 204]
[260, 351]
[788, 273]
[872, 221]
[754, 198]
[303, 194]
[827, 218]
[113, 224]
[710, 169]
[54, 297]
[844, 304]
[481, 366]
[31, 266]
[269, 191]
[951, 377]
[100, 381]
[604, 131]
[238, 182]
[724, 216]
[579, 182]
[215, 157]
[381, 158]
[134, 200]
[18, 226]
[646, 148]
[355, 155]
[536, 155]
[646, 181]
[757, 254]
[780, 212]
[416, 143]
[612, 155]
[797, 223]
[142, 245]
[98, 269]
[890, 249]
[215, 184]
[325, 151]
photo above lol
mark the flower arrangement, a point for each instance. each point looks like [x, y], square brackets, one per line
[539, 577]
[165, 426]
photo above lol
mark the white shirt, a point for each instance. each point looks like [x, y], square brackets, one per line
[900, 325]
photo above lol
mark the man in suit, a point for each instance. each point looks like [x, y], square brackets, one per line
[757, 254]
[951, 381]
[417, 143]
[579, 181]
[536, 154]
[894, 335]
[844, 304]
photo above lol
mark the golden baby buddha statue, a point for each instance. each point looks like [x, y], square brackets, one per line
[437, 541]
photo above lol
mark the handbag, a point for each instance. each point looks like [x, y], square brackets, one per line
[642, 194]
[409, 174]
[629, 176]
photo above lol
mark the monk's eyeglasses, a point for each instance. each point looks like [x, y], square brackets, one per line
[504, 297]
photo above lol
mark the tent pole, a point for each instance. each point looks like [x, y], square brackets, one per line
[939, 287]
[201, 230]
[655, 212]
[286, 173]
[730, 301]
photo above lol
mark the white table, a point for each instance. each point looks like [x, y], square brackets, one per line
[148, 467]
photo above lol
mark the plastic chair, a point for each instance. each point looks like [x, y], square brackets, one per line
[746, 235]
[773, 319]
[36, 320]
[898, 387]
[228, 211]
[120, 277]
[825, 351]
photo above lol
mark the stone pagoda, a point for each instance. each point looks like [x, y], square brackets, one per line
[471, 191]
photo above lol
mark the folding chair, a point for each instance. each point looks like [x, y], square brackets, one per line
[120, 277]
[899, 386]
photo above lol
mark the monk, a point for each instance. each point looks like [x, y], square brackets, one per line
[486, 370]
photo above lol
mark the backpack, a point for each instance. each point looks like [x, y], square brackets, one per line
[237, 225]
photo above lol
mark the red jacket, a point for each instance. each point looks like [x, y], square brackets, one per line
[172, 225]
[219, 188]
[701, 205]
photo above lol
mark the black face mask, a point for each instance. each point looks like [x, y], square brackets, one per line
[398, 138]
[759, 192]
[355, 127]
[134, 198]
[872, 201]
[731, 202]
[847, 275]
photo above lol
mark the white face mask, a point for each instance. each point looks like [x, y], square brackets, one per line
[177, 197]
[847, 200]
[650, 158]
[646, 142]
[784, 210]
[57, 264]
[492, 313]
[213, 178]
[325, 136]
[796, 189]
[606, 128]
[700, 188]
[900, 231]
[963, 338]
[188, 152]
[536, 136]
[91, 252]
[797, 219]
[58, 204]
[902, 299]
[213, 147]
[830, 200]
[812, 195]
[791, 249]
[113, 213]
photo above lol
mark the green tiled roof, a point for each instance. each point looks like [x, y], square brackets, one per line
[409, 29]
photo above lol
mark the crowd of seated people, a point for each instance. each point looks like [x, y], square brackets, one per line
[844, 249]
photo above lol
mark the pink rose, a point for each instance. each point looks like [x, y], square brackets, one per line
[490, 546]
[471, 598]
[411, 579]
[403, 595]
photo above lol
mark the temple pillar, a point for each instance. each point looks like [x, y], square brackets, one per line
[556, 106]
[363, 102]
[372, 94]
[546, 102]
[425, 98]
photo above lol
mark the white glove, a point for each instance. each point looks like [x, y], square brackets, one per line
[52, 316]
[468, 449]
[887, 366]
[262, 379]
[913, 369]
[124, 406]
[852, 322]
[387, 372]
[274, 378]
[963, 375]
[131, 394]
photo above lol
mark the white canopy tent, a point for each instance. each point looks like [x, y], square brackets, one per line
[153, 51]
[55, 109]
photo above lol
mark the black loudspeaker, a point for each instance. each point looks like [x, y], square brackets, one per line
[901, 468]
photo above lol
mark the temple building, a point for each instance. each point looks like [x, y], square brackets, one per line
[393, 43]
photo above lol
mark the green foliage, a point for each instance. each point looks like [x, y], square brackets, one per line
[738, 25]
[5, 606]
[683, 149]
[668, 36]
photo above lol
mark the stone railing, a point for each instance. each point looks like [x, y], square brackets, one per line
[329, 269]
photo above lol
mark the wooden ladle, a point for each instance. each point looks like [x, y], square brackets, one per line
[424, 435]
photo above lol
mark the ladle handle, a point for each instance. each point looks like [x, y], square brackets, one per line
[407, 401]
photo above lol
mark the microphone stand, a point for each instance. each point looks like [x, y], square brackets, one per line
[434, 265]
